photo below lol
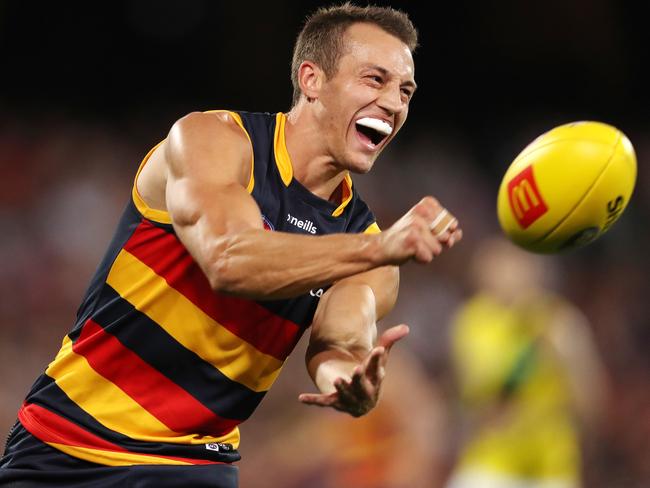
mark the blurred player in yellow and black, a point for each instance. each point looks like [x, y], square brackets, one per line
[243, 230]
[527, 373]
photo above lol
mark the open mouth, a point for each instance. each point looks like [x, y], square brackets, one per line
[375, 130]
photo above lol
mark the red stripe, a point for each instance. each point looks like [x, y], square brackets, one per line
[164, 253]
[156, 393]
[61, 431]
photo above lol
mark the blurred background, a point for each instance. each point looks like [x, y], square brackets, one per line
[88, 88]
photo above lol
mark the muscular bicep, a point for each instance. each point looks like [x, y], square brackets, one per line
[208, 168]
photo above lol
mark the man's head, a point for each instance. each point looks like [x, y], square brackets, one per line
[322, 38]
[353, 72]
[508, 272]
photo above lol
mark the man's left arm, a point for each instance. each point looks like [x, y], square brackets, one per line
[345, 358]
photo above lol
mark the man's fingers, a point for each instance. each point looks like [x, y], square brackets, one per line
[392, 335]
[344, 389]
[442, 223]
[361, 389]
[319, 399]
[374, 365]
[456, 236]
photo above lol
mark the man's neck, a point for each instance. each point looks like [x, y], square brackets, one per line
[312, 166]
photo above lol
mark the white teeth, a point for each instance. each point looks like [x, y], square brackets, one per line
[376, 124]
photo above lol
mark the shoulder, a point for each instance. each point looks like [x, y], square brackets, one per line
[200, 142]
[210, 125]
[199, 136]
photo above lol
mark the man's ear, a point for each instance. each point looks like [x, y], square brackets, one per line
[310, 78]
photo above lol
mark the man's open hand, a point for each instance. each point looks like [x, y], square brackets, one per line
[358, 395]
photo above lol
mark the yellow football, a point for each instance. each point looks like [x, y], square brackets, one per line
[567, 187]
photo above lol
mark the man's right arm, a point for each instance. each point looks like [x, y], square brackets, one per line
[207, 169]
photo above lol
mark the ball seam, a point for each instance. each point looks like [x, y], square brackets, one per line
[586, 193]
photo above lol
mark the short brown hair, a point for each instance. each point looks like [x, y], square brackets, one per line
[321, 39]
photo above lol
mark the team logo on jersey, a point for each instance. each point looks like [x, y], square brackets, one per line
[267, 223]
[306, 225]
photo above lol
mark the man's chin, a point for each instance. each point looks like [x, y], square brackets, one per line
[361, 166]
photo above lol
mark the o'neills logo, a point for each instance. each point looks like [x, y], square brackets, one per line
[525, 200]
[306, 225]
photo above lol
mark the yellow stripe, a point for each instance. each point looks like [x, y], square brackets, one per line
[111, 406]
[347, 181]
[190, 326]
[283, 162]
[372, 229]
[113, 458]
[150, 213]
[282, 159]
[240, 123]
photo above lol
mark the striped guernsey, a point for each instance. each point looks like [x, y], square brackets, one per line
[160, 369]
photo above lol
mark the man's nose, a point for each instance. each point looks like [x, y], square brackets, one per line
[391, 99]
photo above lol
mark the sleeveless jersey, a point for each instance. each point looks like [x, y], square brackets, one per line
[160, 369]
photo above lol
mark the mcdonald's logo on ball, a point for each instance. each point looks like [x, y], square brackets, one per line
[525, 200]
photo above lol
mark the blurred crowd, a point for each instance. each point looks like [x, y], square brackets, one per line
[65, 183]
